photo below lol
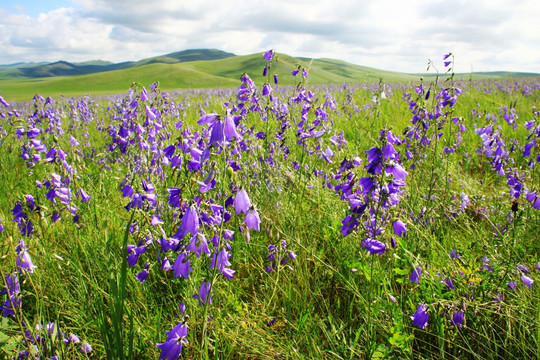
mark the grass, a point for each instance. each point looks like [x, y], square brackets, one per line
[334, 300]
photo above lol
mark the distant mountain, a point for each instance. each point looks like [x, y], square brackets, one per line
[21, 65]
[64, 68]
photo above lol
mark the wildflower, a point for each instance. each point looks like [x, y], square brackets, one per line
[242, 202]
[527, 281]
[252, 220]
[374, 246]
[457, 319]
[400, 227]
[420, 317]
[190, 223]
[182, 266]
[24, 262]
[230, 128]
[205, 294]
[415, 275]
[85, 348]
[84, 196]
[222, 259]
[172, 347]
[512, 285]
[269, 55]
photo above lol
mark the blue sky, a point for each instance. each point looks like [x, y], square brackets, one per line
[35, 7]
[484, 35]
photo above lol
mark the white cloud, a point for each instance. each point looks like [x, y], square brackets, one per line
[387, 34]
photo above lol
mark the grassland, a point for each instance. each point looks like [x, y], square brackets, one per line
[309, 157]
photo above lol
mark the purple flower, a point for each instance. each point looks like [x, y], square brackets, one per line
[176, 338]
[457, 319]
[222, 259]
[420, 317]
[85, 347]
[73, 141]
[252, 220]
[415, 275]
[242, 202]
[512, 285]
[400, 227]
[142, 276]
[230, 128]
[527, 281]
[374, 246]
[151, 115]
[190, 223]
[84, 195]
[269, 55]
[534, 200]
[266, 89]
[205, 294]
[182, 266]
[24, 262]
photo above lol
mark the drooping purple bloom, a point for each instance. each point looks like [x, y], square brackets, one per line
[266, 89]
[252, 220]
[269, 55]
[217, 133]
[242, 202]
[222, 259]
[512, 285]
[73, 141]
[142, 276]
[415, 275]
[85, 348]
[205, 294]
[182, 266]
[457, 319]
[190, 223]
[172, 347]
[527, 281]
[84, 195]
[533, 199]
[151, 115]
[24, 262]
[420, 317]
[400, 228]
[230, 128]
[175, 196]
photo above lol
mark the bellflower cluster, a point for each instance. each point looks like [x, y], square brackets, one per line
[372, 196]
[278, 255]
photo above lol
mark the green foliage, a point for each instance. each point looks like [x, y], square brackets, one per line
[335, 300]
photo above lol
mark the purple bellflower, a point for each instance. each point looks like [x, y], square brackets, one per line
[172, 347]
[242, 202]
[415, 275]
[420, 317]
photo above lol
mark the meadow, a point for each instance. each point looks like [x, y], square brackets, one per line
[270, 221]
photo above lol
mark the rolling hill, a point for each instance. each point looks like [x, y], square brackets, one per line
[198, 68]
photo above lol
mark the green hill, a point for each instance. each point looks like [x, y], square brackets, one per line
[192, 74]
[201, 68]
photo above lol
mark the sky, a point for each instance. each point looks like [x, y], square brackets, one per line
[483, 35]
